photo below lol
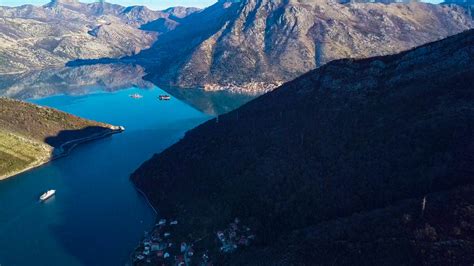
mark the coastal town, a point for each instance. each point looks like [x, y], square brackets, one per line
[165, 246]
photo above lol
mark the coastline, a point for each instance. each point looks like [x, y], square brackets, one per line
[146, 198]
[130, 256]
[64, 150]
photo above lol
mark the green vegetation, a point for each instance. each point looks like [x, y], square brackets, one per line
[18, 153]
[31, 135]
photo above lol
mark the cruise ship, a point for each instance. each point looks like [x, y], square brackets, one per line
[48, 194]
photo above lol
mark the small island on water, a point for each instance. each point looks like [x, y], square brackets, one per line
[32, 135]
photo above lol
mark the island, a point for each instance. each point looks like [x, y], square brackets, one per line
[32, 135]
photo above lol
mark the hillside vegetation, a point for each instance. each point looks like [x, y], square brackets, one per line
[333, 167]
[31, 135]
[18, 153]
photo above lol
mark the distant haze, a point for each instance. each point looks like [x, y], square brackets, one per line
[153, 4]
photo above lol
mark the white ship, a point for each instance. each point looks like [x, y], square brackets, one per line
[164, 97]
[48, 194]
[136, 96]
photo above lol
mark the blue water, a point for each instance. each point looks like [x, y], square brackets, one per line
[96, 217]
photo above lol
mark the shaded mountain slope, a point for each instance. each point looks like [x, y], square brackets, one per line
[351, 137]
[244, 43]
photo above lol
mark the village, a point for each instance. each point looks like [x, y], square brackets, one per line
[163, 245]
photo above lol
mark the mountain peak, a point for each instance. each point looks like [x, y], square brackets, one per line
[63, 2]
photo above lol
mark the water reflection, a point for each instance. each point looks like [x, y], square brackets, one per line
[210, 102]
[72, 81]
[96, 217]
[85, 80]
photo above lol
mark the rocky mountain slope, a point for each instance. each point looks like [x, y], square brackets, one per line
[31, 135]
[467, 4]
[30, 37]
[257, 44]
[367, 161]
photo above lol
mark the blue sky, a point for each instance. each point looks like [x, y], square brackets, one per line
[153, 4]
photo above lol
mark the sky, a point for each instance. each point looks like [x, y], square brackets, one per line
[153, 4]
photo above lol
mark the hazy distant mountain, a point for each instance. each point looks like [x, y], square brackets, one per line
[467, 4]
[243, 43]
[34, 37]
[170, 20]
[332, 168]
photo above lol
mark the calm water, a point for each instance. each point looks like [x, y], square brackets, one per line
[96, 217]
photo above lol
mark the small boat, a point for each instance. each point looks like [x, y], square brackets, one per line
[48, 194]
[164, 97]
[118, 128]
[136, 96]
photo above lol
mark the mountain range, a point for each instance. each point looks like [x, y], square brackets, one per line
[245, 45]
[363, 161]
[256, 45]
[31, 39]
[467, 4]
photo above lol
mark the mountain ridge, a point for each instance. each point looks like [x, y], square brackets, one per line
[343, 140]
[246, 43]
[30, 38]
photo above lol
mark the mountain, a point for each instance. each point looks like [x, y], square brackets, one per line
[258, 44]
[170, 19]
[31, 135]
[365, 161]
[31, 39]
[467, 4]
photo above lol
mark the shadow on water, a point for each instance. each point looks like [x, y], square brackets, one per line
[103, 212]
[65, 140]
[97, 216]
[210, 102]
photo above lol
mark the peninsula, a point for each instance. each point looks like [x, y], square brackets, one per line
[31, 135]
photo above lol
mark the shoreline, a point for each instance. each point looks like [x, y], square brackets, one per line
[65, 151]
[146, 198]
[130, 256]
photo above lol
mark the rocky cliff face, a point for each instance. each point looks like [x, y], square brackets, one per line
[242, 43]
[34, 37]
[467, 4]
[333, 167]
